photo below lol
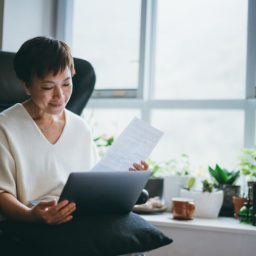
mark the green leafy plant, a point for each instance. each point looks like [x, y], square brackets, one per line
[180, 167]
[207, 186]
[247, 163]
[103, 142]
[222, 176]
[155, 168]
[190, 183]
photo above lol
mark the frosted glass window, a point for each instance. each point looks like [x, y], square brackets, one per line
[201, 49]
[206, 136]
[107, 34]
[109, 122]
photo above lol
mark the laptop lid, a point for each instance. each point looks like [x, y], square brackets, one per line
[104, 192]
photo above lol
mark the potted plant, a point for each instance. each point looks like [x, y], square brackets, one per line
[247, 166]
[207, 200]
[247, 163]
[225, 180]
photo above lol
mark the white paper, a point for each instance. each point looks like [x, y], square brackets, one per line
[134, 144]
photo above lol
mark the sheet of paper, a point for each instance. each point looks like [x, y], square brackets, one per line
[134, 144]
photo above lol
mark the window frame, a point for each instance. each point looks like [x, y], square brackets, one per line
[142, 97]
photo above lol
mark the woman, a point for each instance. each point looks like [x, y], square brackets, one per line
[36, 156]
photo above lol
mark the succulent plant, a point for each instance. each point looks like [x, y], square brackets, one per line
[222, 176]
[207, 186]
[190, 183]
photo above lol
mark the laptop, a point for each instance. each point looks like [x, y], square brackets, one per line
[104, 192]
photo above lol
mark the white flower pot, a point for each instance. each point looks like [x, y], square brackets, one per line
[207, 204]
[172, 187]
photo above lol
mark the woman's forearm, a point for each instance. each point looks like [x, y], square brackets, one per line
[13, 209]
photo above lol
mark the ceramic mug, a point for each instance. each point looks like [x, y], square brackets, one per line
[183, 208]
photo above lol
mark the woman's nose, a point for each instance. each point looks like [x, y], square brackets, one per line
[58, 92]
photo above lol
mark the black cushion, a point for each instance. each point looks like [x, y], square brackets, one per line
[92, 235]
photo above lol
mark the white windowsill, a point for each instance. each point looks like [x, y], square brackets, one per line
[222, 224]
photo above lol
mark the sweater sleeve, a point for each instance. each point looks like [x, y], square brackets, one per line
[94, 154]
[7, 166]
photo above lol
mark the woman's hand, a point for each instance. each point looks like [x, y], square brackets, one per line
[52, 213]
[143, 166]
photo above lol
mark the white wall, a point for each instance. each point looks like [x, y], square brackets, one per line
[24, 19]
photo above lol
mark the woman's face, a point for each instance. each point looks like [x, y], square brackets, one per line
[52, 93]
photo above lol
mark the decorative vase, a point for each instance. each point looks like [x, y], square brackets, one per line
[207, 204]
[229, 191]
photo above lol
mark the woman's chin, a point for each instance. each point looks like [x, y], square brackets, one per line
[55, 110]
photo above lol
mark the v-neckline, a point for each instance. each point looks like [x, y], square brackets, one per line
[39, 130]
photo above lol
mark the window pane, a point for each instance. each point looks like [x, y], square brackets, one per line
[201, 49]
[206, 136]
[110, 122]
[107, 34]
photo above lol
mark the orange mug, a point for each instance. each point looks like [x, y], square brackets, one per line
[183, 209]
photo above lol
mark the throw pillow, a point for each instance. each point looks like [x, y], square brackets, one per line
[91, 236]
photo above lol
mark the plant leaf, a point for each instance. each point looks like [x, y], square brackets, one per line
[223, 176]
[215, 173]
[233, 177]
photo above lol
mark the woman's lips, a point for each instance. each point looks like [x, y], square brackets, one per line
[57, 105]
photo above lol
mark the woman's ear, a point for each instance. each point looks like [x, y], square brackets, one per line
[26, 88]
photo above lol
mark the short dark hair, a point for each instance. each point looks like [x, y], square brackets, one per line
[40, 56]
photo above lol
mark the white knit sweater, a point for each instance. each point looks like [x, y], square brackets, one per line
[31, 168]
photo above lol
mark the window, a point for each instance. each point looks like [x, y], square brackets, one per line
[109, 122]
[107, 34]
[206, 136]
[201, 49]
[190, 66]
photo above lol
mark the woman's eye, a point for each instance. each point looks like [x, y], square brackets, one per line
[66, 84]
[47, 88]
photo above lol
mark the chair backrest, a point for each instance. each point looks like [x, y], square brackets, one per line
[11, 91]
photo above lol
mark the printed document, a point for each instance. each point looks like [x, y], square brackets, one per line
[134, 144]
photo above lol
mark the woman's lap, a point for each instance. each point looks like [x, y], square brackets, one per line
[93, 235]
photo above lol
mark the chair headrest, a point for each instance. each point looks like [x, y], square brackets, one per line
[12, 91]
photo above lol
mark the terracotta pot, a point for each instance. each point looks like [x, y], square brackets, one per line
[238, 202]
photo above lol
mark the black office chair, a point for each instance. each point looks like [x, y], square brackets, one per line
[11, 91]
